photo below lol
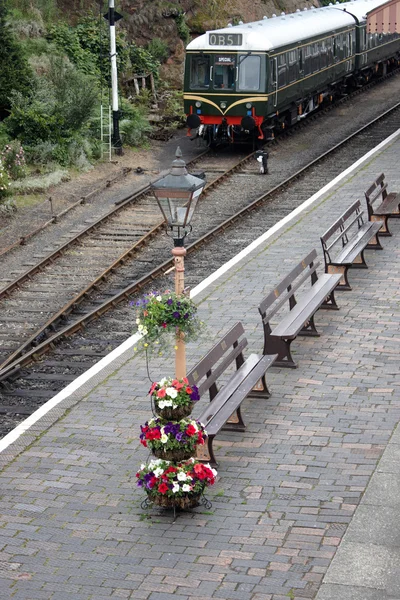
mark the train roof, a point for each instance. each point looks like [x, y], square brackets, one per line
[279, 31]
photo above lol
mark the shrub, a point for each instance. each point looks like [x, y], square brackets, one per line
[4, 182]
[158, 49]
[13, 158]
[15, 73]
[62, 104]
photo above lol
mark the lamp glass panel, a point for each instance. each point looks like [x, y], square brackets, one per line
[195, 197]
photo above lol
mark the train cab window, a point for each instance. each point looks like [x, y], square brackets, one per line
[282, 70]
[249, 73]
[200, 72]
[224, 73]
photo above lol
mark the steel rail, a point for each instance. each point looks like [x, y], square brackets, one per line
[41, 348]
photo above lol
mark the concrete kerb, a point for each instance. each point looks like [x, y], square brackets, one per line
[40, 421]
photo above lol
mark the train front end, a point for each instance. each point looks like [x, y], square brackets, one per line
[225, 85]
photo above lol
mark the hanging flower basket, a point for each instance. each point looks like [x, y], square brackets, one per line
[175, 485]
[173, 399]
[161, 317]
[171, 440]
[184, 502]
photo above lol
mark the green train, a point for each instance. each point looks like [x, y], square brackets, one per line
[248, 81]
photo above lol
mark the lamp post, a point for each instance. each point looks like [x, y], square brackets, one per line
[177, 194]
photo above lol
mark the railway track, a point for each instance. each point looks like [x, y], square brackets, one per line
[43, 379]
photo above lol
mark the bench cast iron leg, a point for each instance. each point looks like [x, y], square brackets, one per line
[374, 243]
[330, 301]
[344, 282]
[309, 328]
[359, 261]
[235, 422]
[384, 230]
[275, 345]
[260, 390]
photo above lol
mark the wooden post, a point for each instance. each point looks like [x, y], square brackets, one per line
[136, 85]
[153, 88]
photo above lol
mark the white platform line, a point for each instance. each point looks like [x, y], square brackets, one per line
[133, 339]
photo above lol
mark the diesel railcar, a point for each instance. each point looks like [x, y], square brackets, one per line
[248, 81]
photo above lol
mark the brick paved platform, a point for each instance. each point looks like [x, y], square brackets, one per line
[303, 477]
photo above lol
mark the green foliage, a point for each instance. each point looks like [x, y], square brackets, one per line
[135, 130]
[53, 121]
[158, 49]
[87, 46]
[183, 29]
[174, 104]
[15, 73]
[142, 61]
[47, 8]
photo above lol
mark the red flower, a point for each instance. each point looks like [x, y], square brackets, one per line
[163, 488]
[177, 385]
[190, 430]
[144, 443]
[153, 387]
[152, 482]
[200, 439]
[171, 470]
[161, 393]
[164, 325]
[189, 390]
[185, 380]
[145, 313]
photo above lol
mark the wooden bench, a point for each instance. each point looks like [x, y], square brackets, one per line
[300, 319]
[345, 241]
[247, 380]
[381, 204]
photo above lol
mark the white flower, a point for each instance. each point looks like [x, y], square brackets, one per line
[158, 471]
[176, 488]
[137, 321]
[186, 487]
[140, 327]
[174, 406]
[162, 381]
[142, 466]
[171, 392]
[182, 476]
[158, 298]
[164, 438]
[144, 331]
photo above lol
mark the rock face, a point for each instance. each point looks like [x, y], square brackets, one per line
[145, 20]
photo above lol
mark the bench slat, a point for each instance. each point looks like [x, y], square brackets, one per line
[219, 410]
[216, 371]
[357, 244]
[308, 304]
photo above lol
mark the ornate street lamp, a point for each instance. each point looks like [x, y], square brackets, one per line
[177, 194]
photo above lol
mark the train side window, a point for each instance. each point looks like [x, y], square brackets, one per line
[200, 72]
[323, 55]
[249, 73]
[315, 58]
[292, 70]
[282, 70]
[307, 60]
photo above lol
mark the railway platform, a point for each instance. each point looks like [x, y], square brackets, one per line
[306, 504]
